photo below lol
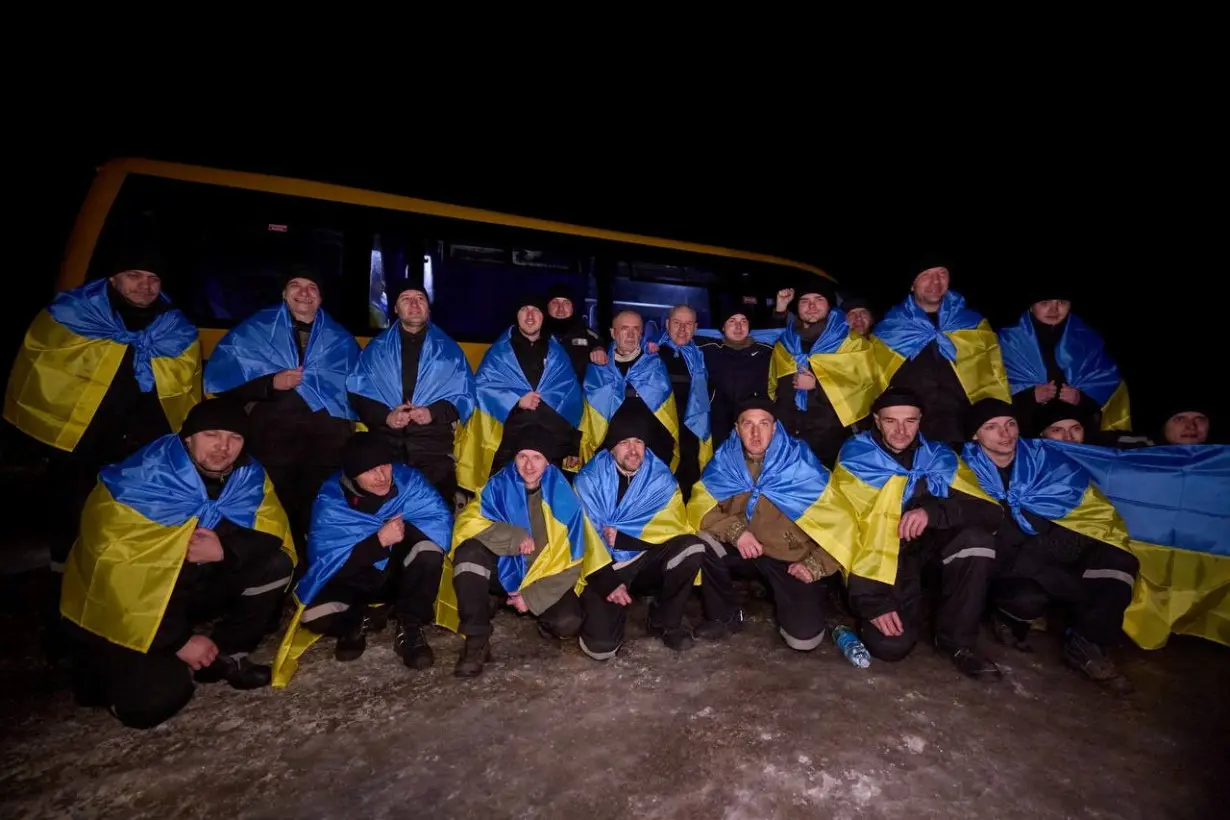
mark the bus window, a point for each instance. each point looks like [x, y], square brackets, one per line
[652, 290]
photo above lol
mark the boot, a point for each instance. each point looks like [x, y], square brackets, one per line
[974, 665]
[1011, 632]
[476, 652]
[236, 670]
[676, 638]
[378, 617]
[1087, 657]
[350, 647]
[717, 630]
[412, 645]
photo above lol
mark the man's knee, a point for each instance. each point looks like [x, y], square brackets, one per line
[972, 548]
[890, 648]
[471, 558]
[156, 697]
[424, 554]
[801, 626]
[270, 577]
[1021, 598]
[686, 553]
[565, 618]
[1113, 564]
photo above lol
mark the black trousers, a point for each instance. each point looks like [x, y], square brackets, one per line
[964, 560]
[297, 486]
[411, 582]
[441, 472]
[689, 461]
[665, 572]
[799, 607]
[1097, 586]
[476, 577]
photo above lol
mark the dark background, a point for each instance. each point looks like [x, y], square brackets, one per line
[1123, 207]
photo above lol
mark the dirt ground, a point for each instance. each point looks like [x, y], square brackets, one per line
[746, 728]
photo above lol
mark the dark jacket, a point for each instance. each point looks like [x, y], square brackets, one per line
[736, 374]
[577, 339]
[933, 379]
[532, 358]
[1027, 405]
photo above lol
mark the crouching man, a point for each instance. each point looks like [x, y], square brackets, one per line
[522, 538]
[636, 505]
[186, 530]
[766, 508]
[374, 540]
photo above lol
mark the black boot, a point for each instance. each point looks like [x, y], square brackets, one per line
[378, 617]
[974, 665]
[677, 638]
[476, 652]
[1011, 632]
[236, 670]
[1087, 657]
[716, 630]
[350, 647]
[412, 645]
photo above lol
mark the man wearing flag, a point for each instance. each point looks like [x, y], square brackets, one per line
[636, 506]
[766, 508]
[685, 365]
[289, 364]
[186, 530]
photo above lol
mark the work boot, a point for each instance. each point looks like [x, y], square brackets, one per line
[350, 647]
[1087, 657]
[236, 670]
[378, 617]
[716, 630]
[676, 638]
[412, 645]
[474, 654]
[974, 665]
[1011, 632]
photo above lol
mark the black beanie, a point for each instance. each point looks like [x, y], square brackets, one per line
[746, 305]
[897, 397]
[1056, 410]
[633, 419]
[926, 262]
[134, 254]
[816, 284]
[984, 411]
[304, 272]
[854, 303]
[216, 414]
[757, 403]
[363, 452]
[532, 300]
[562, 290]
[531, 435]
[401, 286]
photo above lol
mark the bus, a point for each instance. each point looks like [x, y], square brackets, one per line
[228, 237]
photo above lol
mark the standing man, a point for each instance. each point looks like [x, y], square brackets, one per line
[823, 376]
[690, 384]
[738, 368]
[946, 354]
[567, 326]
[413, 388]
[289, 364]
[859, 315]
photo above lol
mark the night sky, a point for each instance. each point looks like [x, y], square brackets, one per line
[1110, 209]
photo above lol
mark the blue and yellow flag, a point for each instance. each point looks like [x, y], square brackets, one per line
[134, 538]
[878, 488]
[1174, 501]
[1051, 486]
[605, 387]
[72, 352]
[843, 363]
[444, 374]
[651, 509]
[265, 344]
[335, 530]
[571, 538]
[500, 384]
[791, 479]
[696, 414]
[964, 338]
[1081, 354]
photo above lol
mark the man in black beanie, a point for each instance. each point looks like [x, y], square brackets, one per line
[738, 365]
[859, 315]
[1060, 421]
[566, 325]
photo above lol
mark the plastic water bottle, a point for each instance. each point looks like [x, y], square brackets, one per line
[851, 647]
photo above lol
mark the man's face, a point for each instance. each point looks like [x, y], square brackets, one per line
[560, 307]
[898, 426]
[1065, 430]
[681, 326]
[860, 321]
[377, 480]
[531, 464]
[629, 454]
[930, 286]
[756, 428]
[1051, 311]
[214, 451]
[736, 328]
[412, 308]
[529, 320]
[140, 287]
[302, 297]
[1188, 427]
[626, 331]
[998, 436]
[813, 308]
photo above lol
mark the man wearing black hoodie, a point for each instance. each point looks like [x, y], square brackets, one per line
[568, 328]
[738, 367]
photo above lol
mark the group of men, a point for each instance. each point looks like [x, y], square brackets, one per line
[565, 478]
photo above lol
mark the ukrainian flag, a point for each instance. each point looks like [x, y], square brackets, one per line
[791, 479]
[877, 487]
[964, 338]
[842, 361]
[696, 414]
[265, 344]
[1174, 500]
[71, 354]
[571, 538]
[500, 384]
[134, 538]
[651, 510]
[1081, 354]
[335, 530]
[605, 387]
